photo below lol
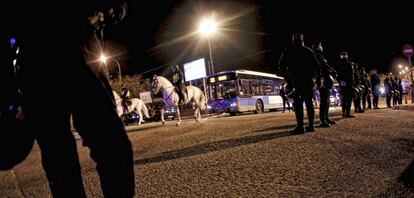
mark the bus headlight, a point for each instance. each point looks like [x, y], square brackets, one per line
[234, 104]
[208, 107]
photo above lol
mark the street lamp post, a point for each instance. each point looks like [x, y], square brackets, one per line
[207, 27]
[411, 76]
[211, 55]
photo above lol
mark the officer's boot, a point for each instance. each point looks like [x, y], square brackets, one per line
[311, 117]
[299, 119]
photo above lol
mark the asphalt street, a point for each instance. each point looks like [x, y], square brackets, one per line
[253, 155]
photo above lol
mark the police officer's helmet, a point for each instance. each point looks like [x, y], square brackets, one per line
[297, 38]
[343, 55]
[175, 68]
[317, 47]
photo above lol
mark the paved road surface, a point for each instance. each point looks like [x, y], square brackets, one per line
[253, 156]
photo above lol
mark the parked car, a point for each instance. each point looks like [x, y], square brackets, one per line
[155, 112]
[335, 98]
[131, 117]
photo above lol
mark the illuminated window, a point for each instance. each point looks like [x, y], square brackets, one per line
[220, 78]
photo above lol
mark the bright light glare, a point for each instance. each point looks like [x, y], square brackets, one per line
[207, 26]
[400, 66]
[382, 90]
[103, 58]
[406, 68]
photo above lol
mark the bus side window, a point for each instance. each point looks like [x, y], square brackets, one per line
[268, 88]
[239, 85]
[276, 87]
[247, 86]
[256, 87]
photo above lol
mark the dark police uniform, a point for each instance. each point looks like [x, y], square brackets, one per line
[327, 74]
[346, 82]
[178, 82]
[51, 38]
[299, 67]
[375, 86]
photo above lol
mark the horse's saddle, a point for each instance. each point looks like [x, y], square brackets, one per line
[127, 101]
[183, 90]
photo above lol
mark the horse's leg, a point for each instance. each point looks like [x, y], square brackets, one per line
[177, 112]
[140, 117]
[195, 114]
[198, 113]
[162, 115]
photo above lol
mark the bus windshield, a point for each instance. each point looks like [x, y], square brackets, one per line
[226, 89]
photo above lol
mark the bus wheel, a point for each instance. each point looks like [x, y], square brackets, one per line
[232, 113]
[259, 106]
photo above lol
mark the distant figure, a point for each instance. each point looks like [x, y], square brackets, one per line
[299, 67]
[400, 90]
[178, 82]
[284, 98]
[52, 53]
[375, 88]
[326, 83]
[366, 94]
[396, 94]
[358, 88]
[388, 89]
[346, 83]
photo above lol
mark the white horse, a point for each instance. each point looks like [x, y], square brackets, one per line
[137, 105]
[170, 97]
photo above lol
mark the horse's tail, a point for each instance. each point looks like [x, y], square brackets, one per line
[202, 101]
[144, 107]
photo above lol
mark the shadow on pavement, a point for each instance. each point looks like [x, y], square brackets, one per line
[407, 177]
[142, 127]
[404, 185]
[212, 146]
[220, 145]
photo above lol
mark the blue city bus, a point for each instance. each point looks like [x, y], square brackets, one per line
[243, 90]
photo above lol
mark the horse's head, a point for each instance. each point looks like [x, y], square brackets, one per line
[155, 85]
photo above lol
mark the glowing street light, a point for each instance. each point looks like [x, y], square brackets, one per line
[400, 66]
[103, 58]
[207, 27]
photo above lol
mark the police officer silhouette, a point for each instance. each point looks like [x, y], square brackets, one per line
[300, 68]
[327, 79]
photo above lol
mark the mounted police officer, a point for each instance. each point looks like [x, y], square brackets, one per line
[346, 83]
[125, 95]
[326, 83]
[178, 82]
[300, 68]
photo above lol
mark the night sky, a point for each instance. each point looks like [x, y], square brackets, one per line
[253, 33]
